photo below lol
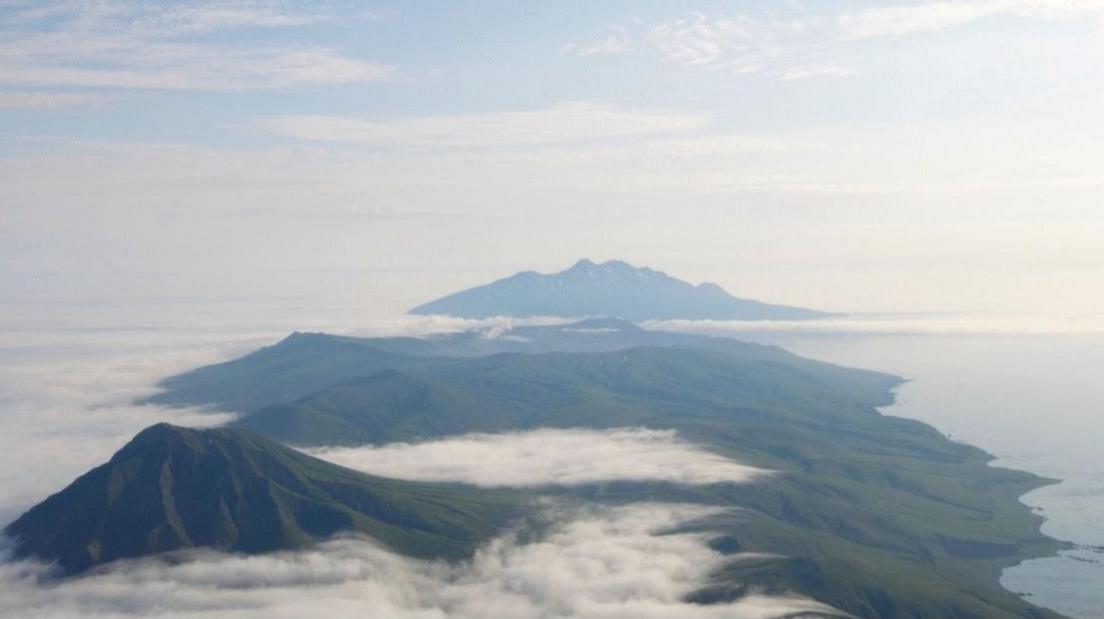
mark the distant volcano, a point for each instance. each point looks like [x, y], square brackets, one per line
[615, 289]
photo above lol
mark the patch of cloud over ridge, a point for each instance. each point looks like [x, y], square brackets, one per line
[546, 457]
[609, 563]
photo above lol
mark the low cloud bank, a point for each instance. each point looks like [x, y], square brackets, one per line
[934, 323]
[546, 457]
[64, 413]
[595, 563]
[412, 325]
[897, 324]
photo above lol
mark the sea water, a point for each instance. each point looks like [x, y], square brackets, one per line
[1036, 401]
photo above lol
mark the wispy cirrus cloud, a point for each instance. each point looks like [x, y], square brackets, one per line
[561, 123]
[617, 41]
[214, 16]
[808, 71]
[124, 45]
[808, 45]
[905, 19]
[739, 44]
[38, 100]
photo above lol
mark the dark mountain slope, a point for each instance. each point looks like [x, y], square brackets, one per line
[172, 488]
[305, 363]
[613, 288]
[876, 515]
[388, 404]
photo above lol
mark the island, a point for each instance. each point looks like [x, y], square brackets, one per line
[874, 515]
[611, 289]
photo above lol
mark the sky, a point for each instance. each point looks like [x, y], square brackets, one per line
[226, 172]
[852, 156]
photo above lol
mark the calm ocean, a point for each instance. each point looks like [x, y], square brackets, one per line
[1034, 401]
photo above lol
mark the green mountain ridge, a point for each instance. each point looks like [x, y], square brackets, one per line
[879, 516]
[876, 515]
[304, 363]
[389, 404]
[173, 488]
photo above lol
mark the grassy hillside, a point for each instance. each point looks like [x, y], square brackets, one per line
[171, 488]
[304, 363]
[876, 515]
[387, 406]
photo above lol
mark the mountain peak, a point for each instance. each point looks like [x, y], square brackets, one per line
[173, 488]
[613, 288]
[154, 438]
[609, 266]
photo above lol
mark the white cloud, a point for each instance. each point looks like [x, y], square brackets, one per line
[742, 44]
[739, 44]
[63, 416]
[618, 41]
[813, 71]
[208, 17]
[905, 19]
[1024, 323]
[145, 46]
[932, 16]
[797, 48]
[195, 67]
[562, 123]
[594, 563]
[49, 100]
[66, 395]
[421, 326]
[546, 457]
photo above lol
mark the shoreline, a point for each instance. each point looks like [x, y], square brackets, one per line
[1052, 547]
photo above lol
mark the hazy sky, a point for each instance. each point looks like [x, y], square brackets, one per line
[845, 155]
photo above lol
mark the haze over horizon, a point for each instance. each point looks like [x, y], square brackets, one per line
[859, 156]
[348, 309]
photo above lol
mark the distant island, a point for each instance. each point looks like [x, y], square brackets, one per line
[877, 516]
[614, 289]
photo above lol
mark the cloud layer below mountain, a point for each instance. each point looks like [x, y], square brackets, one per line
[593, 562]
[546, 456]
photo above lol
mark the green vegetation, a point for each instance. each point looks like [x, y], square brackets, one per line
[876, 515]
[879, 516]
[305, 363]
[172, 488]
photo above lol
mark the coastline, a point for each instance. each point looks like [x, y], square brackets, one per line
[1046, 546]
[931, 520]
[1036, 544]
[1026, 389]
